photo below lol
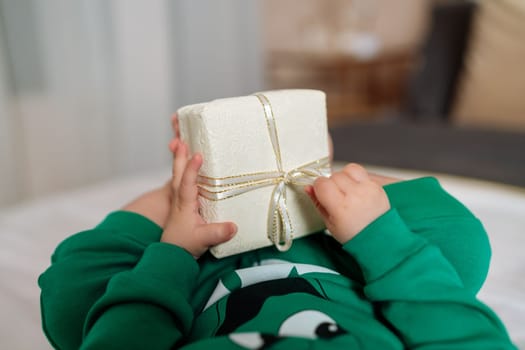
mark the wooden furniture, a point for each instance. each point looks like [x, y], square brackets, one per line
[355, 88]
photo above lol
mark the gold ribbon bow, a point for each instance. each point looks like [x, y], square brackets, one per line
[280, 230]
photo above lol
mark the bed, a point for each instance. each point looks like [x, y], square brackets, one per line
[29, 232]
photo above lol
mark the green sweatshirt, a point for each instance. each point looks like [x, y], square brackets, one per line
[408, 280]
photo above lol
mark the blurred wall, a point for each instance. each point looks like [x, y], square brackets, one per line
[87, 87]
[8, 182]
[217, 48]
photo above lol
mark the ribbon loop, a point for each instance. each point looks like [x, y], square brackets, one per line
[279, 226]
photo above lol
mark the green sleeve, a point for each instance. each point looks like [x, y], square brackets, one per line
[81, 268]
[146, 307]
[432, 213]
[418, 291]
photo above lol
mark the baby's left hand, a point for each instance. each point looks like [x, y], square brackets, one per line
[348, 201]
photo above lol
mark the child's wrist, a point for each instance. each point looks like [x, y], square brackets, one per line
[350, 233]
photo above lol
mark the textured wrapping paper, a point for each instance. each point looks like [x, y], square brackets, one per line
[242, 136]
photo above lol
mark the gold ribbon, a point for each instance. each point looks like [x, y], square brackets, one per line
[280, 230]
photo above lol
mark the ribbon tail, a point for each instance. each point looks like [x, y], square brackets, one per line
[273, 225]
[279, 223]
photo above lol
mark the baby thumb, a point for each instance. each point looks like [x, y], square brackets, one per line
[216, 233]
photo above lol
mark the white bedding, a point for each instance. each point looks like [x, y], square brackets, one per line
[30, 232]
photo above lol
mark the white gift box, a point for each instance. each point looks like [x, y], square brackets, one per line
[259, 151]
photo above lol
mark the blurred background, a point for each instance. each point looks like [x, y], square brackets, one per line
[87, 87]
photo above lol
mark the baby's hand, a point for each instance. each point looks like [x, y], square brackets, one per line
[185, 227]
[348, 201]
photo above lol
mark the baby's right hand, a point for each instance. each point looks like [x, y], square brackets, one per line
[185, 227]
[348, 201]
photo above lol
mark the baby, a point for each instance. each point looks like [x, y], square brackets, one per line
[401, 270]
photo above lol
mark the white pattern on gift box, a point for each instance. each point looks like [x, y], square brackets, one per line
[280, 229]
[237, 177]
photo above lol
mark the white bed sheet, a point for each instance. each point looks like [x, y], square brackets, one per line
[30, 232]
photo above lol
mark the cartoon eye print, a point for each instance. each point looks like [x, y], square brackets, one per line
[310, 324]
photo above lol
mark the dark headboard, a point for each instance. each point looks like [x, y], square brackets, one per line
[433, 85]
